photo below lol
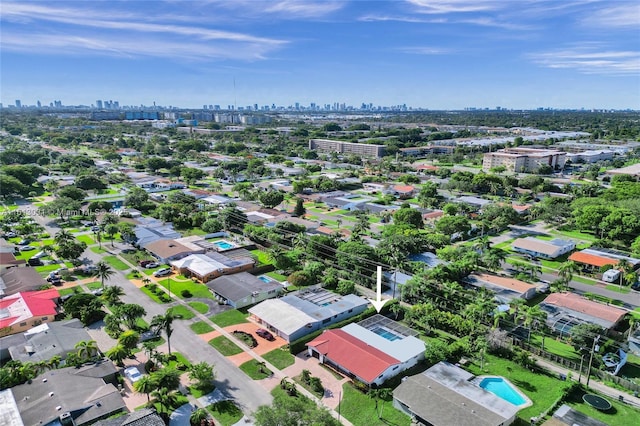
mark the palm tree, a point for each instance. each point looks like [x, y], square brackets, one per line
[63, 236]
[625, 267]
[481, 244]
[567, 269]
[497, 316]
[199, 417]
[87, 349]
[534, 270]
[54, 362]
[146, 384]
[117, 354]
[165, 398]
[111, 230]
[112, 295]
[103, 271]
[493, 258]
[163, 323]
[380, 394]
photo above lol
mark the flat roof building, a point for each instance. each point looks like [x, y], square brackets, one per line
[298, 314]
[524, 160]
[543, 249]
[341, 147]
[243, 289]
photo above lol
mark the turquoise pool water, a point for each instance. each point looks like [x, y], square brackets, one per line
[386, 334]
[499, 387]
[264, 279]
[223, 245]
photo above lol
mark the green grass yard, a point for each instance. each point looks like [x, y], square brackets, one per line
[231, 317]
[225, 346]
[253, 369]
[360, 409]
[196, 290]
[85, 239]
[116, 263]
[201, 327]
[199, 307]
[225, 412]
[279, 358]
[183, 312]
[262, 256]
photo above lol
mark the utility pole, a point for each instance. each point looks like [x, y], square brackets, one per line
[580, 372]
[593, 349]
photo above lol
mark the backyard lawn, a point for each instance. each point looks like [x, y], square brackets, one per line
[557, 347]
[231, 317]
[201, 327]
[262, 256]
[225, 346]
[360, 409]
[619, 414]
[543, 389]
[116, 263]
[85, 239]
[279, 358]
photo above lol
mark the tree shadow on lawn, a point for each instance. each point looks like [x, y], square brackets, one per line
[524, 385]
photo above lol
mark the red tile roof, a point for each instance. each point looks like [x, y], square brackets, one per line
[592, 259]
[585, 306]
[404, 188]
[353, 354]
[41, 302]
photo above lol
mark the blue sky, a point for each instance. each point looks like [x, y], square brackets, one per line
[437, 54]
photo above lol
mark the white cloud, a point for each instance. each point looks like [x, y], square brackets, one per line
[280, 9]
[587, 60]
[129, 35]
[618, 16]
[458, 6]
[425, 50]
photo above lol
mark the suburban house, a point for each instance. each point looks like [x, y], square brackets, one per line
[206, 267]
[43, 342]
[79, 394]
[168, 250]
[149, 230]
[243, 289]
[403, 192]
[298, 314]
[371, 351]
[566, 310]
[446, 395]
[505, 289]
[475, 202]
[543, 249]
[16, 279]
[597, 258]
[21, 311]
[144, 417]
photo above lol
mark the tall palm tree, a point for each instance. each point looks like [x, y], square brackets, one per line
[164, 323]
[146, 384]
[103, 271]
[493, 258]
[63, 236]
[625, 267]
[567, 269]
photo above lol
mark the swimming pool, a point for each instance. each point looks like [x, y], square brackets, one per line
[503, 389]
[264, 279]
[223, 245]
[386, 334]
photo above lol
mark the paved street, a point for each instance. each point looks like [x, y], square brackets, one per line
[229, 379]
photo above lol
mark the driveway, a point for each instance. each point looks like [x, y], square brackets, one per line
[332, 385]
[264, 345]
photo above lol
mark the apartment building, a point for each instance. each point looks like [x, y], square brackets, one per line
[363, 149]
[524, 160]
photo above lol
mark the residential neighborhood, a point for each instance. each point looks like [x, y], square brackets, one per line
[345, 268]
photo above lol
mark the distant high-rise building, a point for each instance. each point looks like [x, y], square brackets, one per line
[255, 107]
[116, 105]
[99, 104]
[39, 104]
[18, 103]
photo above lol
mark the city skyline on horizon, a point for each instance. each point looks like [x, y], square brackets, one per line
[426, 54]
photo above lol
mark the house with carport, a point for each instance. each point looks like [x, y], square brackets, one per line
[243, 289]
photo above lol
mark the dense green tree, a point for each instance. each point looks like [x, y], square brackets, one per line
[270, 199]
[408, 216]
[293, 411]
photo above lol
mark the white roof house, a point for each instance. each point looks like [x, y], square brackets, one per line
[404, 348]
[301, 313]
[543, 249]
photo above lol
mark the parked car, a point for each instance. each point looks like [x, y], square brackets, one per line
[27, 248]
[39, 254]
[144, 263]
[97, 292]
[24, 241]
[10, 234]
[34, 261]
[151, 265]
[133, 374]
[265, 334]
[162, 272]
[95, 228]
